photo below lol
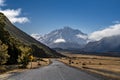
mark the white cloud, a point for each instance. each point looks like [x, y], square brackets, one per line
[2, 3]
[110, 31]
[59, 40]
[82, 36]
[13, 14]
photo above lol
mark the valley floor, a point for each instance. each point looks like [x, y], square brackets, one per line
[105, 66]
[94, 67]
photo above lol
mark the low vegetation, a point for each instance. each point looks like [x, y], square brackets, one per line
[106, 66]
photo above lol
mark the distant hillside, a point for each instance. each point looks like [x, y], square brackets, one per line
[107, 44]
[14, 38]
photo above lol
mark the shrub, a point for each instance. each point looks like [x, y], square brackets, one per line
[3, 53]
[76, 63]
[72, 62]
[83, 63]
[100, 63]
[24, 57]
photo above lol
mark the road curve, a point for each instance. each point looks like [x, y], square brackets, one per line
[55, 71]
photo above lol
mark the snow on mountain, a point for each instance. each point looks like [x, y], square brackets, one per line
[36, 36]
[63, 38]
[59, 41]
[82, 36]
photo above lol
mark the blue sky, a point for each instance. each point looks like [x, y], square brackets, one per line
[47, 15]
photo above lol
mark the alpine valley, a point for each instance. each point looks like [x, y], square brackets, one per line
[73, 40]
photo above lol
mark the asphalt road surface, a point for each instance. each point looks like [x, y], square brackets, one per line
[55, 71]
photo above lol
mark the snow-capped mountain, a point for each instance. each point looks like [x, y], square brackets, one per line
[66, 38]
[73, 39]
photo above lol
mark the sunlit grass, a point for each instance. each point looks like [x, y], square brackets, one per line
[107, 66]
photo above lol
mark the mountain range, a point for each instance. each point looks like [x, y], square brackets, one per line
[107, 44]
[73, 39]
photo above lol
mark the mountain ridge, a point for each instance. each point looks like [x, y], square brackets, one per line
[107, 44]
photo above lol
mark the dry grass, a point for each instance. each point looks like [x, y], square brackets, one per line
[107, 66]
[39, 63]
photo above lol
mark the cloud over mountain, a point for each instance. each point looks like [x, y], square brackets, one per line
[13, 14]
[113, 30]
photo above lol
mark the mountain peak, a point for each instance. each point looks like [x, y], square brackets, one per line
[67, 27]
[64, 38]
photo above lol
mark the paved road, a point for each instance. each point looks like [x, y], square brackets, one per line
[55, 71]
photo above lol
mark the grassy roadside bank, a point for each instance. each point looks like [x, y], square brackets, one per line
[39, 63]
[105, 66]
[6, 72]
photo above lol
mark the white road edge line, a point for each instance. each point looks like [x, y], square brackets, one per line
[60, 74]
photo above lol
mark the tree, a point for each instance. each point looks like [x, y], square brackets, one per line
[3, 53]
[23, 58]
